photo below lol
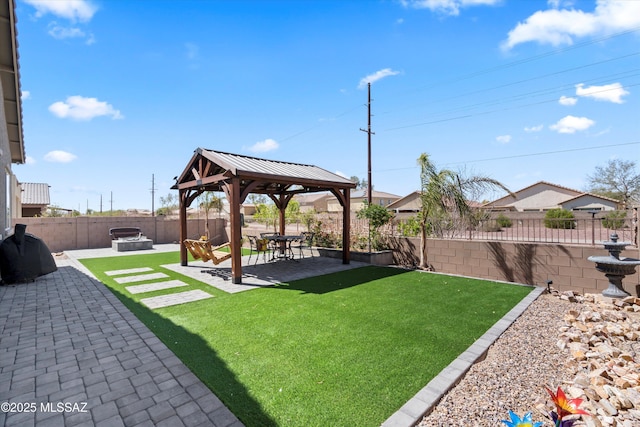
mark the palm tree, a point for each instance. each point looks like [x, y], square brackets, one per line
[444, 192]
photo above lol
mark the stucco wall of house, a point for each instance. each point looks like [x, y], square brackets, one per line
[587, 202]
[5, 175]
[535, 264]
[68, 233]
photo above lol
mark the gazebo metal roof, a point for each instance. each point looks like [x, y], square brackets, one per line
[210, 169]
[238, 176]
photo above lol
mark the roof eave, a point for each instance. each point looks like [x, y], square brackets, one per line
[10, 70]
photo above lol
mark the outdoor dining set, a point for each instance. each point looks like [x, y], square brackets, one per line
[279, 246]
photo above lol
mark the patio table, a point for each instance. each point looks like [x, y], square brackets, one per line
[282, 246]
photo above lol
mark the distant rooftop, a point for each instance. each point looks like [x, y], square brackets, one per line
[35, 194]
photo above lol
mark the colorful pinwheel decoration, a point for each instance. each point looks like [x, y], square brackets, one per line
[525, 421]
[564, 407]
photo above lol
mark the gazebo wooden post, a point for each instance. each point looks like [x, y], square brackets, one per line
[346, 227]
[182, 196]
[283, 219]
[236, 230]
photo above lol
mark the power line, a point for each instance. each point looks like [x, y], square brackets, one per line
[491, 70]
[567, 70]
[490, 111]
[543, 153]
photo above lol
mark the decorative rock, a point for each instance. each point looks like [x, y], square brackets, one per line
[596, 357]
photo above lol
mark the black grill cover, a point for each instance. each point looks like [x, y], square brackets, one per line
[24, 257]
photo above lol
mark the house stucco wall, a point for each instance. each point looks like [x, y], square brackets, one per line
[5, 176]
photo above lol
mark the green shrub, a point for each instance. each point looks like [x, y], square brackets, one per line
[409, 227]
[614, 220]
[503, 221]
[559, 218]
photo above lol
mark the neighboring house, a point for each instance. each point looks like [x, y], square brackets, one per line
[407, 206]
[543, 196]
[11, 139]
[35, 199]
[358, 199]
[410, 203]
[315, 201]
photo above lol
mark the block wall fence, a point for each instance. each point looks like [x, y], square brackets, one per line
[566, 265]
[68, 233]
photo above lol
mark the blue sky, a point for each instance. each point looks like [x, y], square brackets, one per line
[521, 91]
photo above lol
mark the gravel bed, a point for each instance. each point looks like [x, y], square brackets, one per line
[513, 374]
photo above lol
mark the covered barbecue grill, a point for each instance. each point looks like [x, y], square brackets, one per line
[24, 257]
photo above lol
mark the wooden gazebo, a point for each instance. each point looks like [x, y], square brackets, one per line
[238, 176]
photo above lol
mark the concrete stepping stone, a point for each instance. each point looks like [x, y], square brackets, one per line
[175, 299]
[140, 278]
[128, 271]
[157, 286]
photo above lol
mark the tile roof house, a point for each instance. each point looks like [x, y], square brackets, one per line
[35, 198]
[543, 196]
[315, 201]
[359, 197]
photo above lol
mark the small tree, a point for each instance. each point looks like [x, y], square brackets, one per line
[377, 216]
[208, 202]
[618, 179]
[308, 218]
[266, 214]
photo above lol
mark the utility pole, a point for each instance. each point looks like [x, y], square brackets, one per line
[111, 203]
[153, 195]
[369, 133]
[153, 207]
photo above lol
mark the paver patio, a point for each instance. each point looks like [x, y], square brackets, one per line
[67, 338]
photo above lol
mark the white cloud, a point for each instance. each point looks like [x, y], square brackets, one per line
[572, 124]
[264, 146]
[29, 160]
[73, 10]
[25, 94]
[58, 156]
[537, 128]
[448, 7]
[612, 92]
[372, 78]
[60, 32]
[81, 108]
[342, 174]
[503, 139]
[192, 50]
[567, 100]
[561, 26]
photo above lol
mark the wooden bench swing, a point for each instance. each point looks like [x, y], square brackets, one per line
[202, 249]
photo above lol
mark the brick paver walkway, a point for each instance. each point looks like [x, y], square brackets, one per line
[71, 354]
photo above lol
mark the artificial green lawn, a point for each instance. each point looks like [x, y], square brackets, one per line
[342, 349]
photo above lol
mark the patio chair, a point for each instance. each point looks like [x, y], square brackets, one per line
[306, 241]
[202, 249]
[259, 245]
